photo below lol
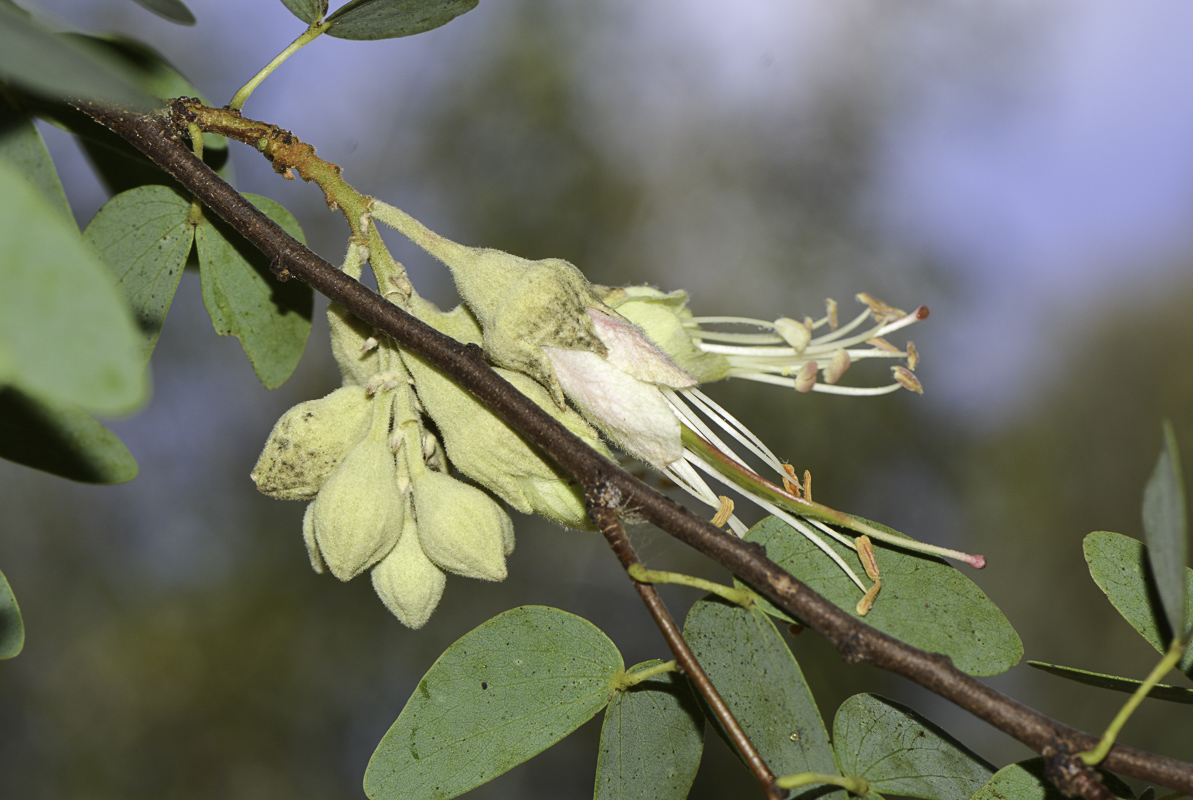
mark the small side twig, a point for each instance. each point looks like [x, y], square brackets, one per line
[604, 514]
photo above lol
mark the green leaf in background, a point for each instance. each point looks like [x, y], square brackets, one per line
[1166, 532]
[924, 601]
[1025, 781]
[389, 19]
[144, 236]
[12, 627]
[899, 752]
[173, 10]
[503, 693]
[752, 667]
[47, 63]
[272, 319]
[651, 740]
[309, 11]
[1161, 691]
[61, 440]
[22, 147]
[1117, 564]
[66, 335]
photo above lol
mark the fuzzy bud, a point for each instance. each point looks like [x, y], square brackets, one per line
[407, 581]
[461, 528]
[353, 346]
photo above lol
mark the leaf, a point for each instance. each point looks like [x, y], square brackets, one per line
[66, 335]
[61, 440]
[1162, 691]
[389, 19]
[272, 319]
[651, 740]
[22, 147]
[1026, 781]
[173, 10]
[759, 679]
[50, 64]
[900, 752]
[1166, 532]
[924, 601]
[309, 11]
[144, 237]
[12, 627]
[501, 694]
[1116, 563]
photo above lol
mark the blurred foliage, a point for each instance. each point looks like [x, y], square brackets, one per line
[238, 673]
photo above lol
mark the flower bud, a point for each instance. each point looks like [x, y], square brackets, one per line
[461, 528]
[357, 517]
[406, 580]
[353, 346]
[484, 447]
[308, 536]
[661, 316]
[309, 442]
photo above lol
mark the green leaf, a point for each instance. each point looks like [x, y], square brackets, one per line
[1117, 564]
[66, 335]
[759, 679]
[1026, 781]
[272, 319]
[1162, 691]
[144, 236]
[501, 694]
[309, 11]
[924, 601]
[1166, 532]
[61, 440]
[22, 147]
[12, 627]
[651, 740]
[50, 64]
[389, 19]
[900, 752]
[173, 10]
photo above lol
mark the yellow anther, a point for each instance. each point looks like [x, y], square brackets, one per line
[724, 512]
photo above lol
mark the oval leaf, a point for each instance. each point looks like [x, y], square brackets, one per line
[389, 19]
[1161, 691]
[900, 752]
[272, 319]
[309, 11]
[1165, 530]
[651, 740]
[144, 237]
[1026, 781]
[759, 679]
[12, 627]
[924, 601]
[1117, 565]
[65, 333]
[22, 147]
[173, 10]
[47, 63]
[501, 694]
[61, 440]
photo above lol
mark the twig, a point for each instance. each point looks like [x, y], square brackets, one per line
[603, 511]
[466, 365]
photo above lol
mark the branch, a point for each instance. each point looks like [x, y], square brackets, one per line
[465, 364]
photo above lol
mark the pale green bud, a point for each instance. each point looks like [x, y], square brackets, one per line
[309, 442]
[353, 345]
[461, 528]
[661, 316]
[357, 517]
[406, 580]
[486, 449]
[308, 537]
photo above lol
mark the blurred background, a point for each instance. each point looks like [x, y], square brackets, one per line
[1024, 169]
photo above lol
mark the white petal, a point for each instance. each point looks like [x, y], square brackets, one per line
[631, 413]
[630, 350]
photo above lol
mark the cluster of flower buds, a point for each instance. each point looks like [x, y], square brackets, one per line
[625, 362]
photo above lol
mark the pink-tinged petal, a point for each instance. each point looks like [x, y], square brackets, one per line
[632, 351]
[631, 413]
